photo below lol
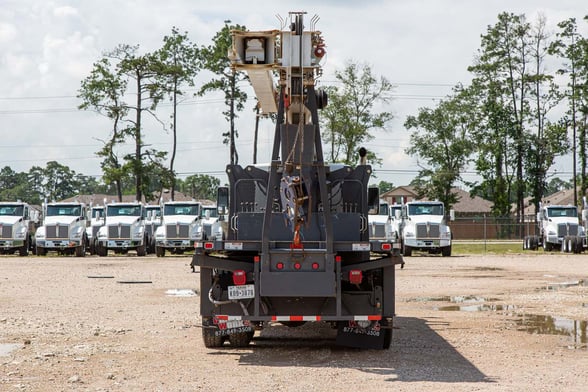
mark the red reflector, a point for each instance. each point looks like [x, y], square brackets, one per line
[208, 245]
[297, 266]
[280, 266]
[355, 276]
[239, 277]
[256, 259]
[338, 259]
[386, 246]
[315, 266]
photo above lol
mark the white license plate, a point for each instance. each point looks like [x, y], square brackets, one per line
[241, 292]
[365, 246]
[233, 245]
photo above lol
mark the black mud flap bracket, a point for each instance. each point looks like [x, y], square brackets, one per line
[376, 336]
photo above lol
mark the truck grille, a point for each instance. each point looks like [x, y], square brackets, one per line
[6, 231]
[377, 231]
[58, 231]
[114, 232]
[427, 230]
[177, 231]
[564, 229]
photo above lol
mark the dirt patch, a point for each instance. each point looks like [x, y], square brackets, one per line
[71, 324]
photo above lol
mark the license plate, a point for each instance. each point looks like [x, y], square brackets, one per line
[241, 292]
[364, 246]
[233, 245]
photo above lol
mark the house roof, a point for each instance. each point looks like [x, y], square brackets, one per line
[465, 203]
[563, 197]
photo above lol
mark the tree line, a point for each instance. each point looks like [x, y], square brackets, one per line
[512, 120]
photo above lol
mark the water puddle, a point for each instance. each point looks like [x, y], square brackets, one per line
[180, 293]
[478, 308]
[454, 299]
[565, 285]
[548, 325]
[7, 348]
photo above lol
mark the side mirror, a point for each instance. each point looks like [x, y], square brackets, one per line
[222, 200]
[373, 200]
[452, 215]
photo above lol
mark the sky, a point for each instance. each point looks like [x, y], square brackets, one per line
[423, 47]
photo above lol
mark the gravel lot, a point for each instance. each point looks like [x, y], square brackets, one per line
[484, 323]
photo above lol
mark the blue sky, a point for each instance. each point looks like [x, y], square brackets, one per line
[47, 47]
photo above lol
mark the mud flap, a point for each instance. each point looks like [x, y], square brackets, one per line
[350, 334]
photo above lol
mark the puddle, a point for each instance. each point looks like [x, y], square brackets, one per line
[548, 325]
[565, 285]
[7, 348]
[180, 293]
[454, 299]
[477, 308]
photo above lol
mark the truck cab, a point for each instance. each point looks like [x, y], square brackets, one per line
[559, 228]
[96, 222]
[123, 230]
[63, 229]
[16, 228]
[152, 222]
[180, 228]
[424, 228]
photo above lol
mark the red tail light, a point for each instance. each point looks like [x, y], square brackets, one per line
[315, 266]
[280, 265]
[239, 277]
[355, 276]
[386, 246]
[297, 266]
[208, 245]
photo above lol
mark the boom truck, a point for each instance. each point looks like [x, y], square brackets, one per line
[292, 242]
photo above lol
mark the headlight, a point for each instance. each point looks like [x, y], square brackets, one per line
[40, 234]
[77, 232]
[408, 233]
[21, 233]
[138, 232]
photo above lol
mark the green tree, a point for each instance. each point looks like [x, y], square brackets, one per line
[385, 186]
[572, 48]
[349, 118]
[103, 91]
[178, 59]
[214, 59]
[441, 139]
[201, 186]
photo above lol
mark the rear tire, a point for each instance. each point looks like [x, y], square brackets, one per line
[141, 251]
[241, 339]
[24, 249]
[210, 339]
[41, 251]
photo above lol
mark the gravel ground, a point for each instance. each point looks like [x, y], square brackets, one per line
[464, 323]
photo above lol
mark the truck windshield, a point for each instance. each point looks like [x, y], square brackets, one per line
[98, 212]
[213, 212]
[181, 209]
[571, 212]
[11, 210]
[425, 209]
[63, 210]
[154, 211]
[384, 210]
[124, 210]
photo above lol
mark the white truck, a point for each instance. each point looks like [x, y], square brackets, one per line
[123, 230]
[208, 217]
[424, 228]
[383, 225]
[181, 226]
[63, 229]
[559, 228]
[96, 222]
[16, 228]
[152, 222]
